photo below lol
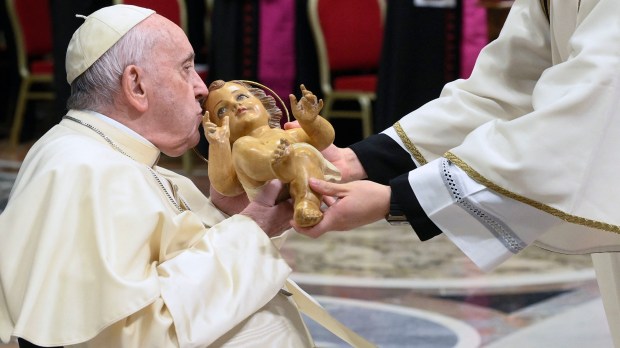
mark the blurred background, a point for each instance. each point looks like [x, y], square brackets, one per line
[372, 61]
[410, 54]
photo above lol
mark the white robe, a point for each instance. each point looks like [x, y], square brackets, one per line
[94, 253]
[532, 137]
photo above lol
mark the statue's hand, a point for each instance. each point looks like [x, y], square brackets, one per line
[308, 107]
[213, 133]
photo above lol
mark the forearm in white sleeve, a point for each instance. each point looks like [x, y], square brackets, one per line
[211, 288]
[488, 227]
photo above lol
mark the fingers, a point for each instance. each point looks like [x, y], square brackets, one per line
[205, 119]
[229, 205]
[307, 97]
[312, 232]
[309, 100]
[213, 132]
[293, 100]
[210, 128]
[269, 193]
[329, 200]
[292, 125]
[271, 217]
[225, 123]
[327, 188]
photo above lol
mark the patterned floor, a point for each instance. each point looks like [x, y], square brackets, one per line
[382, 264]
[399, 292]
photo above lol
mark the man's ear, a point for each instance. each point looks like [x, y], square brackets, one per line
[134, 88]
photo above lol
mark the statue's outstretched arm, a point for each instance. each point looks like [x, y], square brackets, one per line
[319, 131]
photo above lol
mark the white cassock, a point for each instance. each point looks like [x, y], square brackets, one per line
[95, 252]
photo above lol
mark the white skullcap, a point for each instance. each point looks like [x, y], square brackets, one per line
[99, 32]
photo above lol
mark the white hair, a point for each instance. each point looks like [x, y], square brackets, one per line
[100, 84]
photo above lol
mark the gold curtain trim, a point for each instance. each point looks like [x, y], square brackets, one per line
[409, 144]
[540, 206]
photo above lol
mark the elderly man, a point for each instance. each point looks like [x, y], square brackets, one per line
[102, 247]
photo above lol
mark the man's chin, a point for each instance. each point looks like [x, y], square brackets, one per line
[194, 141]
[177, 152]
[174, 153]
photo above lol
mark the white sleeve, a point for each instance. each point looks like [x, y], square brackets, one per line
[486, 226]
[213, 287]
[206, 291]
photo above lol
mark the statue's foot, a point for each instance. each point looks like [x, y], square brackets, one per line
[307, 213]
[281, 155]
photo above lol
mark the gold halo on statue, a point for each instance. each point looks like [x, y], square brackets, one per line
[273, 94]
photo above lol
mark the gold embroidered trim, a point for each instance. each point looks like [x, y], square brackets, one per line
[540, 206]
[409, 144]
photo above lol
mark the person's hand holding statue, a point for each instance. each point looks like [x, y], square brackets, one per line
[348, 205]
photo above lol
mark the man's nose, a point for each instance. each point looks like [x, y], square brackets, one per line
[200, 90]
[199, 85]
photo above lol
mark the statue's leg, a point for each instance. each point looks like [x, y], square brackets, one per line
[296, 165]
[282, 162]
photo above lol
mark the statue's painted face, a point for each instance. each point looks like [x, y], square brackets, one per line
[245, 112]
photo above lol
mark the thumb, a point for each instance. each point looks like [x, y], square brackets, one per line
[205, 119]
[269, 193]
[293, 100]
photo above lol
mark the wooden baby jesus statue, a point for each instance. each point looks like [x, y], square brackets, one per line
[247, 147]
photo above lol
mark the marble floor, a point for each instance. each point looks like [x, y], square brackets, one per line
[396, 291]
